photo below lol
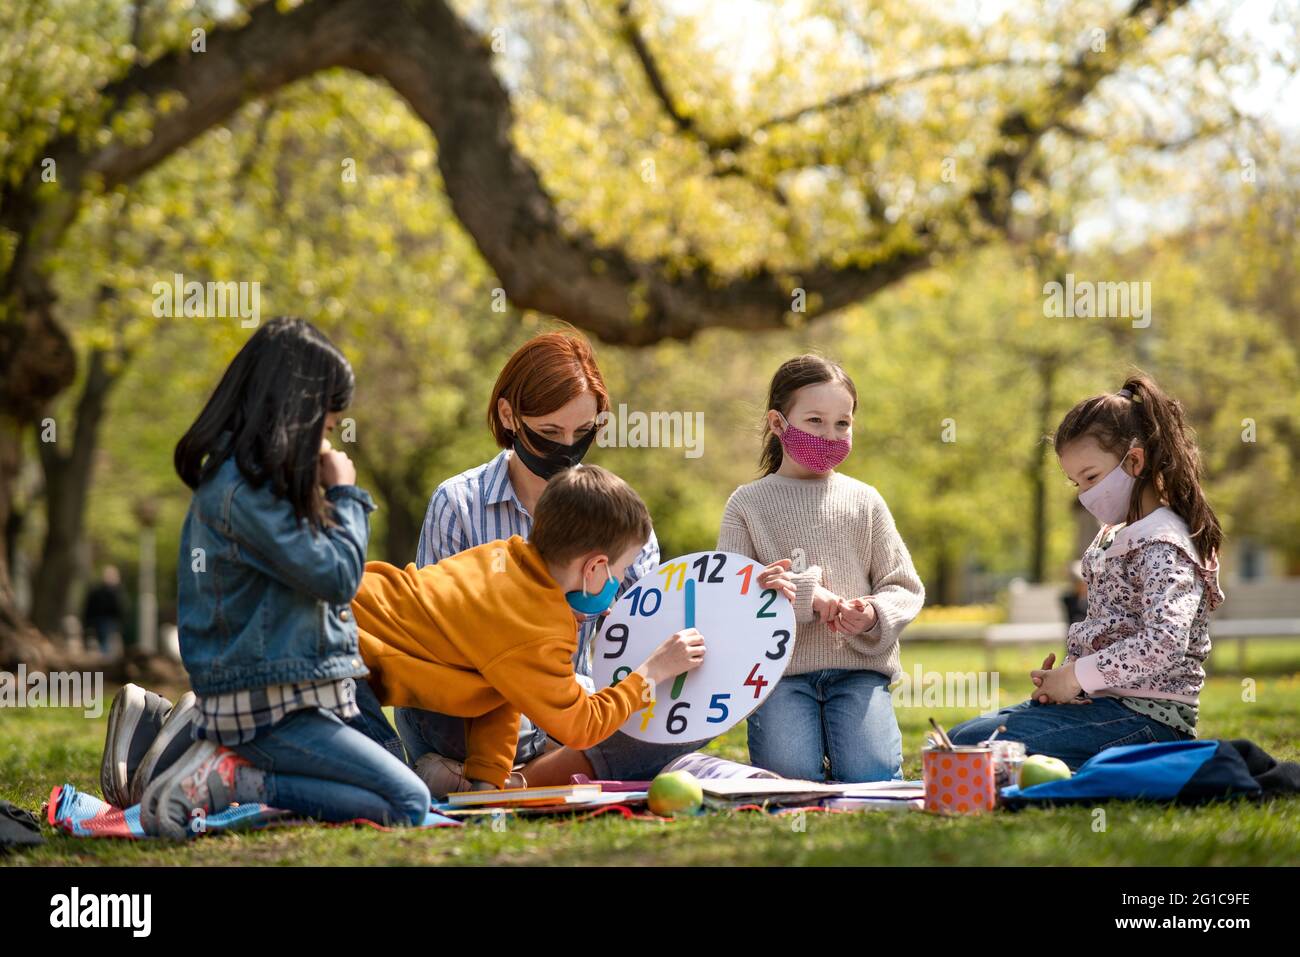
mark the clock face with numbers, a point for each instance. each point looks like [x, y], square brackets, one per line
[748, 636]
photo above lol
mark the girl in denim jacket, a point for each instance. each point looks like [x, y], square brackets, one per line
[272, 551]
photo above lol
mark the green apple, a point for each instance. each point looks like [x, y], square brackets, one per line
[1039, 769]
[677, 792]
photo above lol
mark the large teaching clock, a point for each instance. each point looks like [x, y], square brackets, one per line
[748, 634]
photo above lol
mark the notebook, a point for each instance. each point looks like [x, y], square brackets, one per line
[559, 794]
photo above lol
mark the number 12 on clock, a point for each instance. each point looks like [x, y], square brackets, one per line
[748, 635]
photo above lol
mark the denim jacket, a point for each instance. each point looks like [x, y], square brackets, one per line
[264, 599]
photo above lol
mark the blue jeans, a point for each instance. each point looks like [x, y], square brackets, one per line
[320, 767]
[373, 723]
[840, 714]
[422, 731]
[620, 757]
[1072, 732]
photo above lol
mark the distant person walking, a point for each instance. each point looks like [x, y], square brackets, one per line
[105, 609]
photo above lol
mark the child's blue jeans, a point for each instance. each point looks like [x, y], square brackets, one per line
[320, 767]
[840, 714]
[620, 757]
[1072, 732]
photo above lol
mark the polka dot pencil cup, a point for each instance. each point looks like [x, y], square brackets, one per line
[958, 781]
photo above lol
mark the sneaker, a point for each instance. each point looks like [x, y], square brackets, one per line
[173, 740]
[442, 776]
[204, 777]
[134, 721]
[155, 788]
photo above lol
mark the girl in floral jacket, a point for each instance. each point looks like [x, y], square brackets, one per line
[1134, 668]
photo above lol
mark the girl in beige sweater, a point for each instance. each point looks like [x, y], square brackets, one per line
[831, 547]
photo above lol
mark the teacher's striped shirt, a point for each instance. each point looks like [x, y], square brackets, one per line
[478, 506]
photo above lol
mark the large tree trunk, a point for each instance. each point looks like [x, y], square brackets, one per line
[67, 484]
[20, 643]
[403, 496]
[946, 578]
[402, 536]
[1046, 372]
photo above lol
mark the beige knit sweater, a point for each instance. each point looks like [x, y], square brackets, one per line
[840, 533]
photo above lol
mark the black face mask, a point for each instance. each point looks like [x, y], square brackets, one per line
[555, 456]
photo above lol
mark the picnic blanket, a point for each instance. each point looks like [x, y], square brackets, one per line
[728, 786]
[83, 815]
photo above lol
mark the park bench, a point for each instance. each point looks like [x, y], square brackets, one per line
[1253, 610]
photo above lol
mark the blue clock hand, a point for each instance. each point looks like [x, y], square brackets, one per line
[680, 681]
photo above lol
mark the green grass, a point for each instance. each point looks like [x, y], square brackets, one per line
[42, 747]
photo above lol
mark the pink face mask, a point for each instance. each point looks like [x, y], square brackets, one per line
[812, 451]
[1108, 499]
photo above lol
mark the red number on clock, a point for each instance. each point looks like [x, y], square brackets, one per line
[746, 572]
[756, 681]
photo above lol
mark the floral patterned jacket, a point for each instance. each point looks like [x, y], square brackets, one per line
[1149, 600]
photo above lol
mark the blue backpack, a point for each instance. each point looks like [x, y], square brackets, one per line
[1185, 772]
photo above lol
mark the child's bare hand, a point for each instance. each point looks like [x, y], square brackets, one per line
[683, 651]
[336, 469]
[777, 575]
[1056, 685]
[826, 606]
[856, 615]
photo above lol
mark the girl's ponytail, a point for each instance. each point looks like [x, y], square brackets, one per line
[770, 460]
[1173, 461]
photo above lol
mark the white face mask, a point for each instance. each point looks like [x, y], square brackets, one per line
[1108, 499]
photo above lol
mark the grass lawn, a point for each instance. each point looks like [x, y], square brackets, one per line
[42, 747]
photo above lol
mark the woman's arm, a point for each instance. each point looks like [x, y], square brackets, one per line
[441, 535]
[645, 562]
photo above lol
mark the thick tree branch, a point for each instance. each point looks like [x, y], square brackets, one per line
[445, 72]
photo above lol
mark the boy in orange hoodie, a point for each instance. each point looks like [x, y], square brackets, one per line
[490, 633]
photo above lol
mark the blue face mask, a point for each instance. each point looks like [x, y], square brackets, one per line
[586, 604]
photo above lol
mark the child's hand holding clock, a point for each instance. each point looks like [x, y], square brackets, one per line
[778, 576]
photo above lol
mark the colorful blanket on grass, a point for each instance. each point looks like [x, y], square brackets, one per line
[84, 815]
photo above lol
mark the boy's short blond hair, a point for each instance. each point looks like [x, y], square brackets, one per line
[588, 509]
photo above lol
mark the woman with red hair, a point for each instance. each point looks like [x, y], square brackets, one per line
[545, 411]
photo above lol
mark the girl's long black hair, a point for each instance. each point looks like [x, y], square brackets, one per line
[273, 401]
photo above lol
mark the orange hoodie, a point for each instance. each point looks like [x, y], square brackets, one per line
[485, 634]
